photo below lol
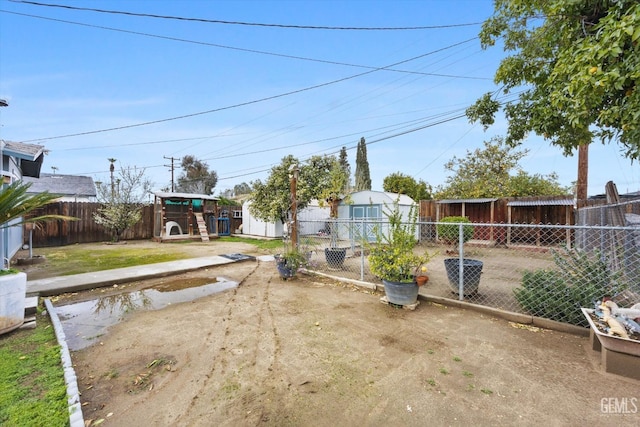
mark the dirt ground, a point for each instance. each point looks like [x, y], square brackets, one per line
[318, 352]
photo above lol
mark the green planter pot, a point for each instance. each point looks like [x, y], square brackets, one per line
[401, 293]
[13, 288]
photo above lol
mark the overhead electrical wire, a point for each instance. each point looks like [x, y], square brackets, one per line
[252, 24]
[502, 99]
[255, 101]
[260, 52]
[372, 69]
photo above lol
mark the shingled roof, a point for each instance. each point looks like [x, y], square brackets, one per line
[64, 185]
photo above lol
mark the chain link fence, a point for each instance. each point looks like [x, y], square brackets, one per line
[547, 271]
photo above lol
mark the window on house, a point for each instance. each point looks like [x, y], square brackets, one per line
[237, 214]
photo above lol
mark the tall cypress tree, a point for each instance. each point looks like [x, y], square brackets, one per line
[344, 163]
[363, 177]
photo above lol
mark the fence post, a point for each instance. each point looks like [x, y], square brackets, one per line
[460, 262]
[362, 235]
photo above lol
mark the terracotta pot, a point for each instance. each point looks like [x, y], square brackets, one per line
[422, 280]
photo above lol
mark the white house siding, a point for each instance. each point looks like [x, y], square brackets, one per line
[371, 205]
[313, 213]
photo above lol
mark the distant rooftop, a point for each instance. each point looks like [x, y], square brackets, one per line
[64, 185]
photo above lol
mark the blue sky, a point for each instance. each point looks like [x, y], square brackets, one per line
[91, 85]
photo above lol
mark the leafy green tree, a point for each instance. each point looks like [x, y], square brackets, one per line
[363, 176]
[488, 173]
[404, 184]
[242, 188]
[196, 177]
[579, 64]
[225, 201]
[122, 208]
[271, 200]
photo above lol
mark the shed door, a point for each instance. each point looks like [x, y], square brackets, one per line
[360, 215]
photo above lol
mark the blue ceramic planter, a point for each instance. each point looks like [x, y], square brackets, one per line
[286, 272]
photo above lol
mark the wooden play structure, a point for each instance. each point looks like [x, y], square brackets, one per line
[185, 216]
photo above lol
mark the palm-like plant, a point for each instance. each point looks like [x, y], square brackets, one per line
[16, 203]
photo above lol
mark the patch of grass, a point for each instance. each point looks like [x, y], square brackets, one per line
[467, 374]
[76, 259]
[431, 382]
[471, 387]
[32, 388]
[113, 373]
[444, 371]
[457, 359]
[266, 244]
[486, 391]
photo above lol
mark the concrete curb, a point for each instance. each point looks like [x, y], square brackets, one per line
[76, 418]
[79, 282]
[511, 316]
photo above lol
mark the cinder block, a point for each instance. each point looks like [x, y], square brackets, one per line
[384, 300]
[594, 340]
[623, 364]
[30, 306]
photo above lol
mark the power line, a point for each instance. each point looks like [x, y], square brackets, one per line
[252, 24]
[255, 101]
[260, 52]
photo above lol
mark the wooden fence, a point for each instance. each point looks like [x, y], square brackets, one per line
[85, 229]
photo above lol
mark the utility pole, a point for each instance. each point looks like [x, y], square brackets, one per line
[172, 169]
[583, 169]
[112, 168]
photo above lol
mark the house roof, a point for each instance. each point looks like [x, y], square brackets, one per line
[557, 202]
[31, 156]
[64, 185]
[170, 195]
[626, 196]
[449, 201]
[22, 151]
[370, 196]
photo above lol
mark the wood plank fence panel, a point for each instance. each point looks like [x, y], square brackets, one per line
[85, 229]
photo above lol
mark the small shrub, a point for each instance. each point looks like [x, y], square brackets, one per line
[449, 230]
[392, 257]
[581, 279]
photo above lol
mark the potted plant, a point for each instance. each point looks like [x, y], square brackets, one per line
[332, 194]
[421, 275]
[289, 262]
[392, 258]
[457, 230]
[448, 229]
[14, 204]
